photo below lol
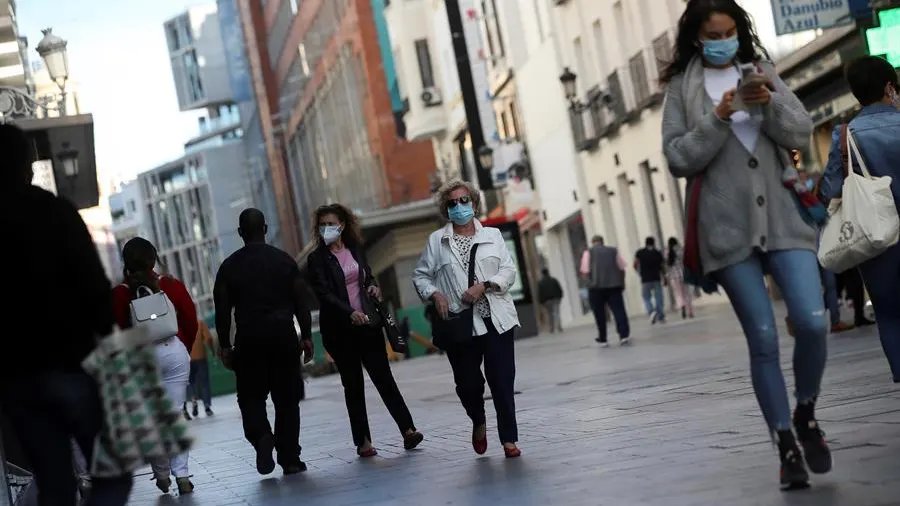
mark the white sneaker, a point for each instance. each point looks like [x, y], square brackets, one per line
[624, 341]
[604, 345]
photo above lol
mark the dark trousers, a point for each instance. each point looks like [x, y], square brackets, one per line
[199, 382]
[271, 364]
[882, 278]
[46, 410]
[600, 299]
[851, 281]
[365, 347]
[497, 351]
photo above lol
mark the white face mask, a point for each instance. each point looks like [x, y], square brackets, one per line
[330, 233]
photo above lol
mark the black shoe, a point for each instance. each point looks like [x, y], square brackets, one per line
[187, 416]
[265, 464]
[412, 440]
[209, 411]
[793, 472]
[195, 411]
[811, 437]
[864, 322]
[295, 468]
[683, 313]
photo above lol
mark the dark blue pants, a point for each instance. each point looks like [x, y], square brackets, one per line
[48, 409]
[600, 299]
[198, 388]
[498, 354]
[882, 278]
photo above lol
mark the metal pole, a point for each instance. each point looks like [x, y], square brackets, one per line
[467, 88]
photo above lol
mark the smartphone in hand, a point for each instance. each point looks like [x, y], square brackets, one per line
[751, 77]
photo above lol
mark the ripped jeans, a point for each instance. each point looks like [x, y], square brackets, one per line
[797, 274]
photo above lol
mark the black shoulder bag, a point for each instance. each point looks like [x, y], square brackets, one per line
[389, 325]
[457, 328]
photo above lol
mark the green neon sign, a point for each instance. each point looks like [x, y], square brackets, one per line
[885, 39]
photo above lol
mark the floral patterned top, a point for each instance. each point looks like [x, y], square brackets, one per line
[462, 246]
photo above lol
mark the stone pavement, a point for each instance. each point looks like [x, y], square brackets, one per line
[670, 420]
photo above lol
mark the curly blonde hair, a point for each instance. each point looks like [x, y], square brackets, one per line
[443, 195]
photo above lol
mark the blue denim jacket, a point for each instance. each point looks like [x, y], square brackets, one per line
[876, 130]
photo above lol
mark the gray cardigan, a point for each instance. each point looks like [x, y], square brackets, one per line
[743, 204]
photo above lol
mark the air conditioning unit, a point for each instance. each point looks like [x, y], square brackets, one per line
[431, 97]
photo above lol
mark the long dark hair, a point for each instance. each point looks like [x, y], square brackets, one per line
[673, 251]
[351, 235]
[140, 257]
[695, 14]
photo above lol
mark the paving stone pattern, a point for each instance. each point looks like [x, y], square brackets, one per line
[670, 420]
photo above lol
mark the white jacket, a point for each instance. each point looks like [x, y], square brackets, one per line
[440, 270]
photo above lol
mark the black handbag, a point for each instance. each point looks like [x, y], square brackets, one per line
[457, 328]
[397, 340]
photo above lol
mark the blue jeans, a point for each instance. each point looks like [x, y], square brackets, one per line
[829, 284]
[882, 278]
[653, 292]
[797, 274]
[47, 410]
[198, 387]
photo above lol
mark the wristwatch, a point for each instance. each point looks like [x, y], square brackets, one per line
[488, 286]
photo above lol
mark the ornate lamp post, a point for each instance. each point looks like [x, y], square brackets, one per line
[14, 103]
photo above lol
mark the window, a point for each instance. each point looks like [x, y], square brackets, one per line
[424, 57]
[621, 27]
[132, 206]
[539, 19]
[492, 29]
[581, 64]
[172, 36]
[497, 32]
[192, 71]
[600, 48]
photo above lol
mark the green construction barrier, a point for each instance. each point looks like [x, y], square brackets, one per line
[221, 380]
[418, 324]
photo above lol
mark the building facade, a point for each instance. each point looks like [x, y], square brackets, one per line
[13, 56]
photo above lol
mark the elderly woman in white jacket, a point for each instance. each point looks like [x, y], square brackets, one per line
[442, 279]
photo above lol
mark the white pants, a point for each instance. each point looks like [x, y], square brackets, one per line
[175, 370]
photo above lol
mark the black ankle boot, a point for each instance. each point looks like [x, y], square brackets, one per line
[811, 437]
[793, 472]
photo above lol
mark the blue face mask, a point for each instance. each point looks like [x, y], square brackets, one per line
[461, 214]
[720, 52]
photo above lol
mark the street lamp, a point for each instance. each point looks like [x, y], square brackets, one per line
[568, 79]
[53, 51]
[486, 157]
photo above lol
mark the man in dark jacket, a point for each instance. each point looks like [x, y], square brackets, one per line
[550, 294]
[263, 285]
[61, 303]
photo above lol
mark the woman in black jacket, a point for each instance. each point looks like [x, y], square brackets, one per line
[350, 326]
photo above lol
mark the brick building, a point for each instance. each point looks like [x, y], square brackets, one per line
[330, 130]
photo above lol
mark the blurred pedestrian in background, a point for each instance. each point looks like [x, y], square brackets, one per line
[604, 269]
[675, 275]
[550, 294]
[198, 388]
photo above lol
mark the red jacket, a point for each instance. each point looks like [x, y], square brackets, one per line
[181, 299]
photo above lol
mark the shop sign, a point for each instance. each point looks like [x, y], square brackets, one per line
[792, 16]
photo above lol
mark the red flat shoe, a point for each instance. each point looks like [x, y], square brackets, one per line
[479, 445]
[365, 454]
[512, 453]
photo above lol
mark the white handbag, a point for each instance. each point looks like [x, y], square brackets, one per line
[156, 313]
[863, 223]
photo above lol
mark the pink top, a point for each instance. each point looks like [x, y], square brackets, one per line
[585, 267]
[351, 276]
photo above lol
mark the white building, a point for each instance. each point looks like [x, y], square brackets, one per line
[12, 64]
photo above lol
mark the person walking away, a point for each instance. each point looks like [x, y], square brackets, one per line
[604, 269]
[351, 331]
[140, 258]
[199, 377]
[675, 276]
[263, 285]
[47, 398]
[650, 265]
[550, 294]
[875, 129]
[748, 212]
[441, 277]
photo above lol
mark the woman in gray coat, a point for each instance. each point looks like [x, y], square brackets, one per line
[749, 212]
